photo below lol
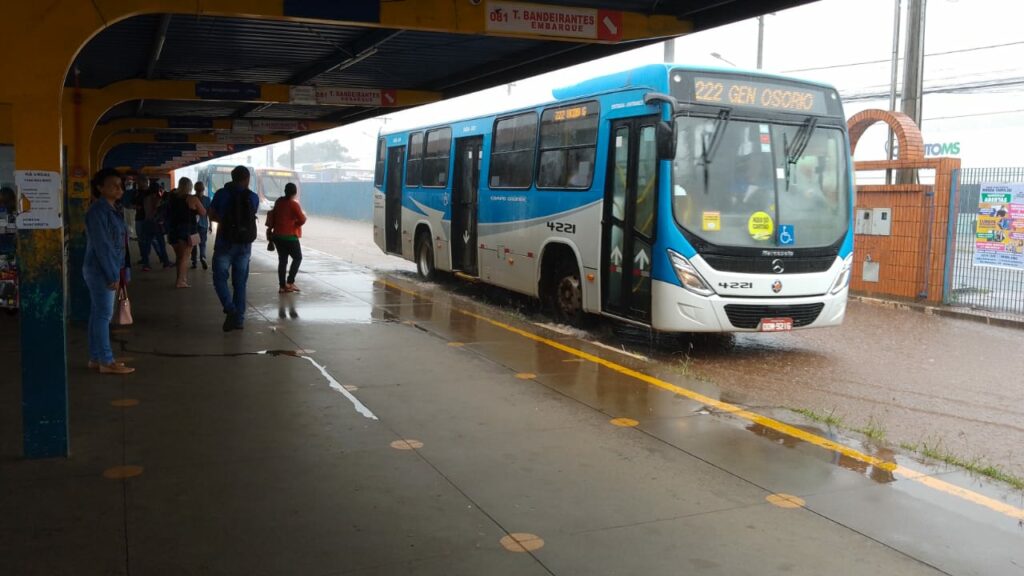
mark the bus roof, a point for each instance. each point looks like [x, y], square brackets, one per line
[651, 77]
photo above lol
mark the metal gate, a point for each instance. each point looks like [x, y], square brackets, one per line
[993, 289]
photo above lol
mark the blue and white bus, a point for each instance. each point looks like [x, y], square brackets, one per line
[684, 199]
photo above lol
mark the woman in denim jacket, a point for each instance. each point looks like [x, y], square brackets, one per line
[104, 256]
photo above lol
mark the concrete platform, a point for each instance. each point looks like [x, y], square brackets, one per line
[254, 457]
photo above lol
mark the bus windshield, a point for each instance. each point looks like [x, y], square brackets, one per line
[760, 184]
[218, 180]
[273, 184]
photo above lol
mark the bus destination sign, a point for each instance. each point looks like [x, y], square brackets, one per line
[726, 91]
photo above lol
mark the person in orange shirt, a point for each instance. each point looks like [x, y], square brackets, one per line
[284, 228]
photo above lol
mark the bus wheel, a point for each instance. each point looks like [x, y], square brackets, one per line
[425, 258]
[567, 295]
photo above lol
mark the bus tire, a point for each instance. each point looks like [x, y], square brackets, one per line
[566, 294]
[425, 257]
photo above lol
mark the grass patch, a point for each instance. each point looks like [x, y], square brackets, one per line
[685, 367]
[830, 419]
[937, 452]
[873, 430]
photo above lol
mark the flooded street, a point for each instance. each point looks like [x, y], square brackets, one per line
[906, 380]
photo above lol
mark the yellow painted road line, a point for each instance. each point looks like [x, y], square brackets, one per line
[902, 471]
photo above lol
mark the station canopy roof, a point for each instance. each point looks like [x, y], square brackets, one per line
[372, 68]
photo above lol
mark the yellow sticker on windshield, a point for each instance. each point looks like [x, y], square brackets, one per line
[760, 226]
[711, 221]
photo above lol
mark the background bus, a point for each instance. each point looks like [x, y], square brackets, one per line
[679, 198]
[268, 183]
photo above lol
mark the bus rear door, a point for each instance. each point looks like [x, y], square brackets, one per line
[464, 204]
[629, 219]
[393, 200]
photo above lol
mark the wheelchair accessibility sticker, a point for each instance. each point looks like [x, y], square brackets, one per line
[786, 235]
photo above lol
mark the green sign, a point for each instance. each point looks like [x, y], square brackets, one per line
[997, 198]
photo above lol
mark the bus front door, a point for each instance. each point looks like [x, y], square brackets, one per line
[629, 219]
[464, 204]
[393, 200]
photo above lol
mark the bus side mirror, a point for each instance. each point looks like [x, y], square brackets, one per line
[665, 136]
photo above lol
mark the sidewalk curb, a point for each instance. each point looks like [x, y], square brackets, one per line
[930, 310]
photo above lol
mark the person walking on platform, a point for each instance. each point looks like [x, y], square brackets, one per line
[151, 231]
[106, 240]
[233, 208]
[141, 233]
[204, 226]
[183, 211]
[128, 201]
[284, 228]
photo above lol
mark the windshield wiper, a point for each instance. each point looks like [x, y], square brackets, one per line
[795, 149]
[708, 149]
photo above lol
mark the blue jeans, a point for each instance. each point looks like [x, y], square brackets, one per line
[100, 313]
[201, 249]
[233, 258]
[150, 238]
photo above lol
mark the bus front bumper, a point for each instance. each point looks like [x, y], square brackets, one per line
[675, 309]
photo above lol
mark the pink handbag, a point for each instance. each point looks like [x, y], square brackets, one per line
[122, 307]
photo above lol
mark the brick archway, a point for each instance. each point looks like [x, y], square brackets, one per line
[908, 135]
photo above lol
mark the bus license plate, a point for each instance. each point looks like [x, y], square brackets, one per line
[775, 325]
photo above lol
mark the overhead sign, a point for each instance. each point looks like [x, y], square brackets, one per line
[342, 96]
[524, 19]
[243, 91]
[248, 126]
[231, 138]
[999, 233]
[197, 123]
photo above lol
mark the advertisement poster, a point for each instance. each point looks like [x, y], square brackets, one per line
[999, 240]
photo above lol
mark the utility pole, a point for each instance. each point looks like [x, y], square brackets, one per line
[892, 81]
[670, 50]
[913, 72]
[291, 155]
[760, 41]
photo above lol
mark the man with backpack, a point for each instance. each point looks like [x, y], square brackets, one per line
[233, 208]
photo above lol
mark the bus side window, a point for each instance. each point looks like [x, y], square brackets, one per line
[413, 164]
[435, 158]
[378, 169]
[568, 140]
[512, 151]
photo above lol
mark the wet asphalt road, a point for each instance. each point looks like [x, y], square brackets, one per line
[951, 385]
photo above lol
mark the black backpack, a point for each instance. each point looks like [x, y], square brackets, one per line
[239, 223]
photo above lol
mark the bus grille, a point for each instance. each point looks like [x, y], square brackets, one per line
[761, 265]
[750, 315]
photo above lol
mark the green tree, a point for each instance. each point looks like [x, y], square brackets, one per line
[326, 151]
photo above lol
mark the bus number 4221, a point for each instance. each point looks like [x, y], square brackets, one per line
[564, 227]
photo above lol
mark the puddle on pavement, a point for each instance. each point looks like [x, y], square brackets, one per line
[880, 475]
[332, 313]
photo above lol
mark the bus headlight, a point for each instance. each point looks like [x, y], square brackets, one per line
[688, 275]
[844, 276]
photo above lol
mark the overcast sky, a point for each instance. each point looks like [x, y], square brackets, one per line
[844, 43]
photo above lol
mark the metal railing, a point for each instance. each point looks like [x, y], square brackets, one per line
[988, 288]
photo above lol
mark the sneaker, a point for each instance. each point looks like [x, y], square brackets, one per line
[204, 264]
[115, 368]
[193, 265]
[283, 290]
[229, 323]
[292, 288]
[147, 269]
